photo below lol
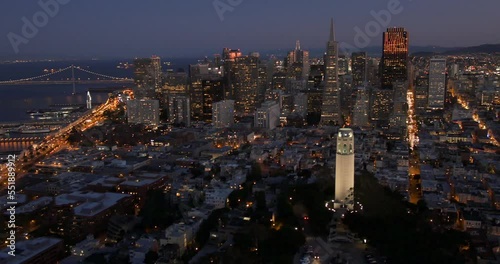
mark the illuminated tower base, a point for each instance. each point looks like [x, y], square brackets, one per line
[344, 169]
[89, 100]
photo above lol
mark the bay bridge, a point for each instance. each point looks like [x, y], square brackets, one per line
[49, 78]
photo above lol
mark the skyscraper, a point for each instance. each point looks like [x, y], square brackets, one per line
[213, 91]
[381, 105]
[157, 72]
[223, 113]
[244, 83]
[360, 113]
[437, 83]
[144, 77]
[394, 64]
[359, 65]
[344, 169]
[300, 104]
[330, 110]
[229, 56]
[421, 94]
[400, 104]
[176, 83]
[143, 112]
[268, 115]
[148, 77]
[316, 76]
[179, 111]
[344, 65]
[297, 63]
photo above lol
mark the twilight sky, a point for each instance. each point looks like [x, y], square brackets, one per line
[183, 28]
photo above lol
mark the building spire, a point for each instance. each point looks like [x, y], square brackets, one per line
[332, 31]
[297, 45]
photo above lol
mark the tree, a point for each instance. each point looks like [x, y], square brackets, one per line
[281, 245]
[151, 257]
[156, 211]
[256, 173]
[260, 200]
[422, 206]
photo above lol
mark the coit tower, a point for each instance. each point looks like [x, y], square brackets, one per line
[344, 169]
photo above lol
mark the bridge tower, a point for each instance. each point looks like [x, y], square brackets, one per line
[89, 100]
[73, 78]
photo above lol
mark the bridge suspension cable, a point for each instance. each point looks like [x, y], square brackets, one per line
[72, 67]
[98, 74]
[36, 77]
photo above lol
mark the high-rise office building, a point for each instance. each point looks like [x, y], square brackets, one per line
[229, 56]
[286, 105]
[314, 101]
[300, 104]
[381, 105]
[372, 72]
[196, 97]
[142, 111]
[197, 73]
[244, 84]
[316, 76]
[157, 72]
[201, 76]
[144, 78]
[344, 65]
[330, 110]
[346, 94]
[213, 92]
[175, 83]
[400, 104]
[360, 115]
[297, 63]
[223, 113]
[268, 115]
[421, 94]
[263, 82]
[359, 68]
[454, 70]
[179, 111]
[394, 63]
[278, 81]
[344, 169]
[437, 83]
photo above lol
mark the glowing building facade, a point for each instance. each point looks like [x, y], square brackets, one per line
[394, 64]
[344, 169]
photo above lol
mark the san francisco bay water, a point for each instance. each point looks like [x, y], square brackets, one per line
[15, 100]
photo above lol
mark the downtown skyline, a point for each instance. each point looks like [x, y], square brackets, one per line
[176, 29]
[238, 131]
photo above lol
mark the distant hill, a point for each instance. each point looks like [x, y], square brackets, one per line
[376, 51]
[486, 48]
[372, 51]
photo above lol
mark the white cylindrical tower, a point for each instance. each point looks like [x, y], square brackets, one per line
[344, 169]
